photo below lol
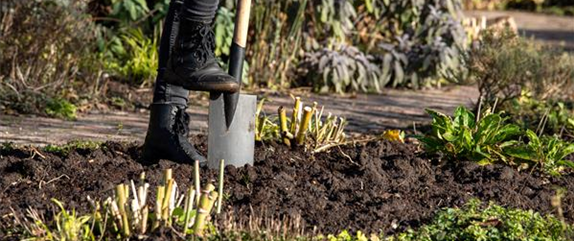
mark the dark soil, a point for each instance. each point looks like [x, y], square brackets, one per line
[370, 187]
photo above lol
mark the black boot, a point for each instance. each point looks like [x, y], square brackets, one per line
[168, 126]
[192, 64]
[167, 136]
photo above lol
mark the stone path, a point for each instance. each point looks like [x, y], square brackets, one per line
[366, 114]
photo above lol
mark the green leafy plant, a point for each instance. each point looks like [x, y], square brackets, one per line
[224, 26]
[463, 138]
[472, 222]
[68, 226]
[266, 127]
[546, 153]
[134, 57]
[129, 10]
[492, 140]
[61, 108]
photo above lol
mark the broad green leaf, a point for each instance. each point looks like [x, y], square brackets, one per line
[533, 138]
[522, 152]
[463, 117]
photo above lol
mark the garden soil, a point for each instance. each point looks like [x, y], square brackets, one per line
[373, 187]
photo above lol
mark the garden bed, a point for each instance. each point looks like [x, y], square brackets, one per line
[374, 186]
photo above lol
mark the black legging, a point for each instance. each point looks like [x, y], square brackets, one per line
[200, 10]
[192, 10]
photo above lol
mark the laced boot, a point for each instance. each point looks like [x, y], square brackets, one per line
[168, 125]
[192, 64]
[167, 136]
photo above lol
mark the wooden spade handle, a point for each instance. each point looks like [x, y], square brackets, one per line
[242, 22]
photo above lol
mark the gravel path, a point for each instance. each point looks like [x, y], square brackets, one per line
[553, 30]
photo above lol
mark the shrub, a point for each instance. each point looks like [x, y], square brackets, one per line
[133, 57]
[414, 42]
[46, 51]
[342, 69]
[553, 117]
[504, 66]
[421, 42]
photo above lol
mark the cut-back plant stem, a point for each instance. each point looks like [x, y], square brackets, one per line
[220, 185]
[295, 115]
[158, 206]
[196, 181]
[307, 114]
[188, 207]
[165, 212]
[122, 200]
[283, 124]
[208, 197]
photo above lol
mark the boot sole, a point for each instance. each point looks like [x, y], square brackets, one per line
[175, 79]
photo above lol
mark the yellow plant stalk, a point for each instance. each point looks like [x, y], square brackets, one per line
[122, 200]
[208, 197]
[158, 206]
[167, 175]
[295, 115]
[165, 211]
[196, 181]
[220, 185]
[188, 207]
[260, 125]
[307, 114]
[283, 124]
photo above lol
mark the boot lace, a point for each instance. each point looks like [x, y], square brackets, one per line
[181, 124]
[201, 42]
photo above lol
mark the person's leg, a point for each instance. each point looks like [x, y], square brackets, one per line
[200, 10]
[192, 63]
[168, 125]
[164, 92]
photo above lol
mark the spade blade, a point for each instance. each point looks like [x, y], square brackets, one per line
[236, 70]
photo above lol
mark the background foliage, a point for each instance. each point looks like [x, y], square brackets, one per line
[368, 44]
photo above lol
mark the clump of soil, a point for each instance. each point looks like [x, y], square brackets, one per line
[377, 186]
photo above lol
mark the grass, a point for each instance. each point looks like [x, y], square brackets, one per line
[64, 150]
